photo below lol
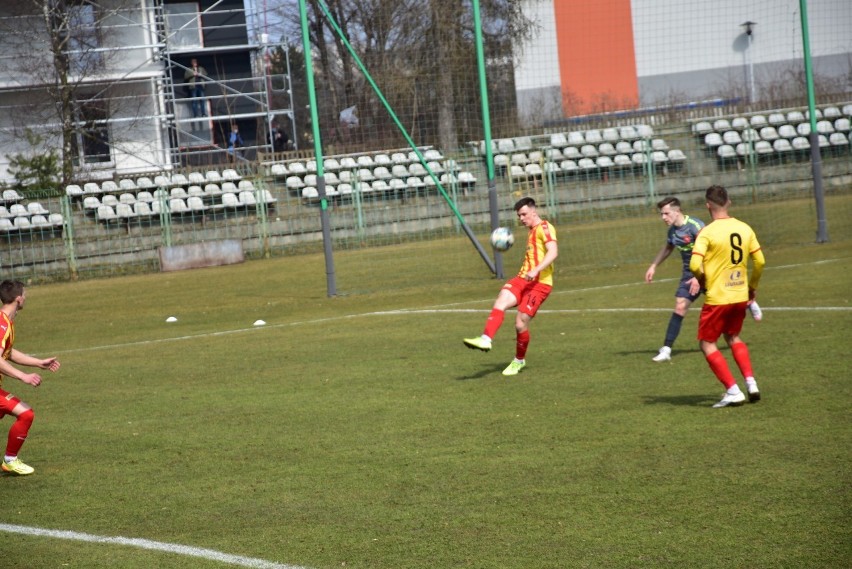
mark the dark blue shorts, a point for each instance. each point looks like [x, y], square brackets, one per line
[683, 289]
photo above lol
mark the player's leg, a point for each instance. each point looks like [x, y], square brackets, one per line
[739, 349]
[683, 300]
[508, 297]
[710, 327]
[17, 433]
[528, 306]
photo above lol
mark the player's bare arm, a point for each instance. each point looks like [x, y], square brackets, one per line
[549, 257]
[661, 256]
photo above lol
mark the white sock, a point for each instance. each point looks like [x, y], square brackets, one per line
[486, 338]
[8, 458]
[734, 390]
[750, 381]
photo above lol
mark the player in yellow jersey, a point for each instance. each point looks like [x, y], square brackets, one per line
[528, 290]
[720, 261]
[13, 296]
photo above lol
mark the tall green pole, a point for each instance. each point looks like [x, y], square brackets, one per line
[486, 132]
[331, 282]
[816, 158]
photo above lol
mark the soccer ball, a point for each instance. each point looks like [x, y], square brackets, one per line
[502, 238]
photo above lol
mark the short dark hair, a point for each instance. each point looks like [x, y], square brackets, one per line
[10, 290]
[524, 201]
[717, 195]
[671, 200]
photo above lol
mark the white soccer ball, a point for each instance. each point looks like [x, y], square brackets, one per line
[502, 238]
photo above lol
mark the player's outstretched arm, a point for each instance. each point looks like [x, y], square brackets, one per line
[23, 359]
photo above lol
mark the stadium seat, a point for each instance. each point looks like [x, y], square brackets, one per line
[739, 123]
[589, 151]
[382, 186]
[366, 161]
[366, 175]
[35, 208]
[576, 138]
[6, 225]
[731, 137]
[105, 213]
[519, 159]
[308, 194]
[297, 168]
[800, 143]
[178, 193]
[586, 164]
[142, 209]
[124, 211]
[213, 176]
[702, 128]
[640, 145]
[593, 136]
[399, 158]
[365, 188]
[558, 140]
[677, 156]
[229, 187]
[847, 110]
[726, 152]
[628, 133]
[194, 191]
[516, 172]
[22, 223]
[659, 144]
[622, 161]
[817, 114]
[749, 134]
[610, 135]
[757, 121]
[144, 183]
[831, 113]
[644, 131]
[521, 143]
[838, 139]
[468, 179]
[278, 170]
[229, 199]
[330, 165]
[196, 178]
[571, 153]
[842, 125]
[436, 167]
[109, 200]
[769, 133]
[91, 203]
[787, 131]
[659, 157]
[344, 189]
[162, 181]
[763, 147]
[397, 185]
[178, 206]
[144, 196]
[554, 155]
[382, 173]
[604, 162]
[212, 190]
[56, 219]
[73, 191]
[331, 179]
[533, 170]
[346, 163]
[91, 188]
[382, 160]
[247, 198]
[245, 185]
[39, 221]
[230, 175]
[721, 125]
[825, 127]
[294, 183]
[5, 212]
[607, 149]
[18, 210]
[803, 129]
[568, 166]
[127, 198]
[501, 160]
[823, 141]
[127, 185]
[795, 117]
[414, 182]
[109, 186]
[713, 140]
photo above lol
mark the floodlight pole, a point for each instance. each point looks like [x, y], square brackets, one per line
[331, 281]
[816, 158]
[493, 206]
[749, 29]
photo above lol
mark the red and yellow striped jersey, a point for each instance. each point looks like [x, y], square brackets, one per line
[539, 236]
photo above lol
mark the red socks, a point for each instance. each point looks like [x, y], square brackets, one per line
[522, 342]
[495, 320]
[720, 368]
[741, 356]
[18, 432]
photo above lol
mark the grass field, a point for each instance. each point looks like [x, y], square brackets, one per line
[358, 431]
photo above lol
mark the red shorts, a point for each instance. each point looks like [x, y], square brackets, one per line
[721, 319]
[529, 294]
[7, 403]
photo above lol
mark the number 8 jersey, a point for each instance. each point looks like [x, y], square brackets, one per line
[724, 246]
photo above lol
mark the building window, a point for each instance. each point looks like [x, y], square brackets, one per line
[183, 25]
[84, 39]
[91, 143]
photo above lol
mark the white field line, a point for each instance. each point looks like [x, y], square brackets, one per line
[453, 308]
[211, 554]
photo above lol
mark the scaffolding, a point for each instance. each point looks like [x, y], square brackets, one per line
[134, 63]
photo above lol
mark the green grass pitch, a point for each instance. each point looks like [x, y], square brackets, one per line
[359, 432]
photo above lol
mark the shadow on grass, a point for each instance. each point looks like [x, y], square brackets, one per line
[493, 371]
[685, 400]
